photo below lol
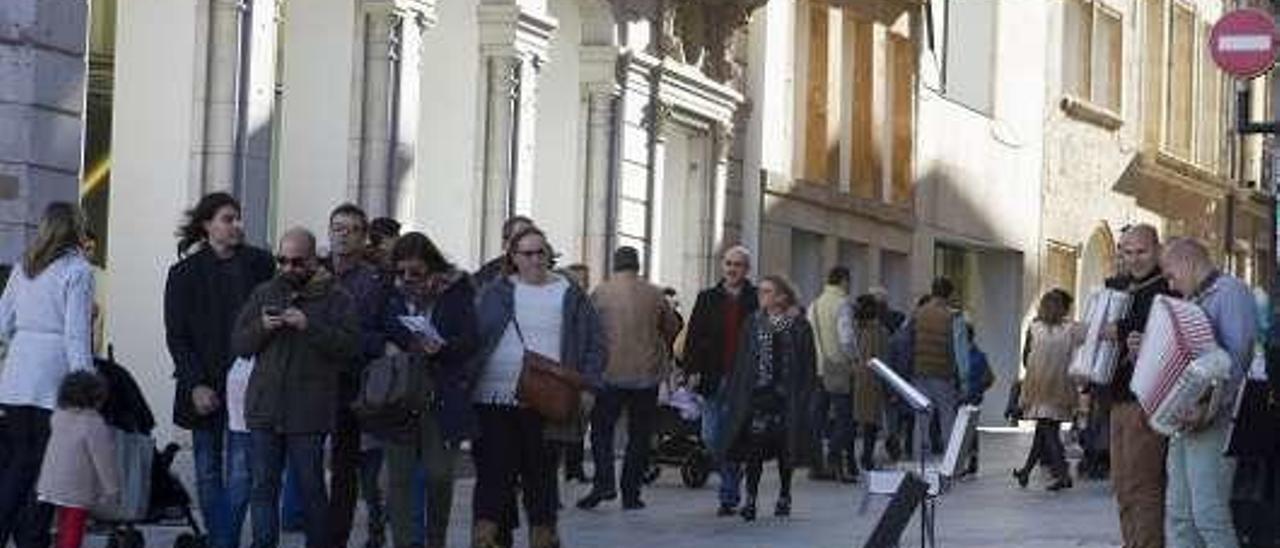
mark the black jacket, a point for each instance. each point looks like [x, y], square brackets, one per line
[200, 307]
[1144, 293]
[705, 340]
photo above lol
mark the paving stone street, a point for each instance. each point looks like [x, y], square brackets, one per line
[989, 511]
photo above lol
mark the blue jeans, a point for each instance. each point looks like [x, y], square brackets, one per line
[239, 482]
[291, 501]
[730, 473]
[305, 454]
[209, 450]
[1197, 500]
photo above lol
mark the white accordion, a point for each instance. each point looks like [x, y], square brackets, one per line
[1178, 364]
[1095, 360]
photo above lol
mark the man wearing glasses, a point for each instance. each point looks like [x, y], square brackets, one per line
[363, 280]
[711, 345]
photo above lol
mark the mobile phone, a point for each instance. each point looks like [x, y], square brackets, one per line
[272, 310]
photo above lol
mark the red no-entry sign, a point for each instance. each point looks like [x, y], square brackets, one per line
[1243, 42]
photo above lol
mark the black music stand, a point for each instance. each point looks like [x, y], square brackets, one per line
[893, 521]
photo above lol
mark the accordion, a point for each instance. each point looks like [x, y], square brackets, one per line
[1095, 360]
[1178, 364]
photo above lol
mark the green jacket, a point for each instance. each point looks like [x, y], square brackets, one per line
[294, 386]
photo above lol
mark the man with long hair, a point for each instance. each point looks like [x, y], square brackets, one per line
[204, 291]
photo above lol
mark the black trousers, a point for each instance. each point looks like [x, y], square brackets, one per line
[510, 451]
[24, 434]
[641, 406]
[1047, 448]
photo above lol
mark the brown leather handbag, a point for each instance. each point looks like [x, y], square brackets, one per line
[546, 386]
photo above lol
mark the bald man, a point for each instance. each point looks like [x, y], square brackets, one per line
[304, 330]
[1136, 449]
[1198, 511]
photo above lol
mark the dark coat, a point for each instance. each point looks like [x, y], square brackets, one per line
[704, 342]
[294, 386]
[795, 347]
[454, 317]
[198, 321]
[582, 345]
[1143, 293]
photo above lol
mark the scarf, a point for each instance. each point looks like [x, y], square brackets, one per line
[765, 331]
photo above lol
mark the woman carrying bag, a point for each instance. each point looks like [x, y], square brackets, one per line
[535, 327]
[767, 394]
[438, 301]
[1048, 394]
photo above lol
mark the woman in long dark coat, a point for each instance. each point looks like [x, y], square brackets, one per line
[766, 395]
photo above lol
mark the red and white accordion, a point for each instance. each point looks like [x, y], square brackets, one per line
[1178, 364]
[1095, 360]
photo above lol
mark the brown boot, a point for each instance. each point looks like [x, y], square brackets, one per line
[543, 536]
[484, 534]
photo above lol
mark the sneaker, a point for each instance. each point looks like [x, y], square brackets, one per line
[726, 510]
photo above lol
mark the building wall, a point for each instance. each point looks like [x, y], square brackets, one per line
[978, 184]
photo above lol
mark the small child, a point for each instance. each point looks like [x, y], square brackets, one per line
[79, 473]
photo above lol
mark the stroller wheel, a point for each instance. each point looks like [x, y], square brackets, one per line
[188, 540]
[651, 475]
[133, 538]
[695, 470]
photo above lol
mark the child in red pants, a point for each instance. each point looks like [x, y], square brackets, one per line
[79, 472]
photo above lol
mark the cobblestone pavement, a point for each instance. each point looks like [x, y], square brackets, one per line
[989, 511]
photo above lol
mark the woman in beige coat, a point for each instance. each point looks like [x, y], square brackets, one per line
[1048, 395]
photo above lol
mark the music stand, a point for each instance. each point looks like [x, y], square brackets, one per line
[922, 408]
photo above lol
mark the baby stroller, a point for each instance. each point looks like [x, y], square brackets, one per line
[678, 438]
[150, 493]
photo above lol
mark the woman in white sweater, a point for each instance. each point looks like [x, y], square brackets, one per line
[45, 315]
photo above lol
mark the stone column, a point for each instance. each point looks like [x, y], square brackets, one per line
[221, 96]
[722, 143]
[256, 116]
[601, 204]
[513, 42]
[42, 79]
[392, 32]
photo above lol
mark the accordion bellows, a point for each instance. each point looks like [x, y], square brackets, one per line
[1178, 363]
[1095, 360]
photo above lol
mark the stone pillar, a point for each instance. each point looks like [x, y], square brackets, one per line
[255, 118]
[513, 42]
[601, 204]
[153, 180]
[42, 79]
[389, 103]
[721, 145]
[221, 96]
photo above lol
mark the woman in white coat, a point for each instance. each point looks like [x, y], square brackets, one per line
[45, 315]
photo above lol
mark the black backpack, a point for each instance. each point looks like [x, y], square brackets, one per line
[395, 391]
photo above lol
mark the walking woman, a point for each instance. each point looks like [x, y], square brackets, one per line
[45, 315]
[871, 341]
[529, 309]
[429, 288]
[766, 396]
[1048, 395]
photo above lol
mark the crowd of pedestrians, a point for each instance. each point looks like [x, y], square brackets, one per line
[305, 378]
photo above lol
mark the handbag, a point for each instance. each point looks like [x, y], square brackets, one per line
[547, 387]
[1255, 429]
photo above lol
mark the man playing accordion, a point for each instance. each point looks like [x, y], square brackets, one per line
[1199, 475]
[1135, 448]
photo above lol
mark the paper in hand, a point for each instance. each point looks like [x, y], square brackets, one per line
[421, 326]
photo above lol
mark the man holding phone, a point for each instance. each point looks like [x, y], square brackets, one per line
[303, 328]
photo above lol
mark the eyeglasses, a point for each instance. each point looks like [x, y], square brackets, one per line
[531, 252]
[296, 262]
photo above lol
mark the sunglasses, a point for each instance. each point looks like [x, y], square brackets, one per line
[296, 262]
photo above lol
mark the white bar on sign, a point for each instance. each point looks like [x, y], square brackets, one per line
[1247, 42]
